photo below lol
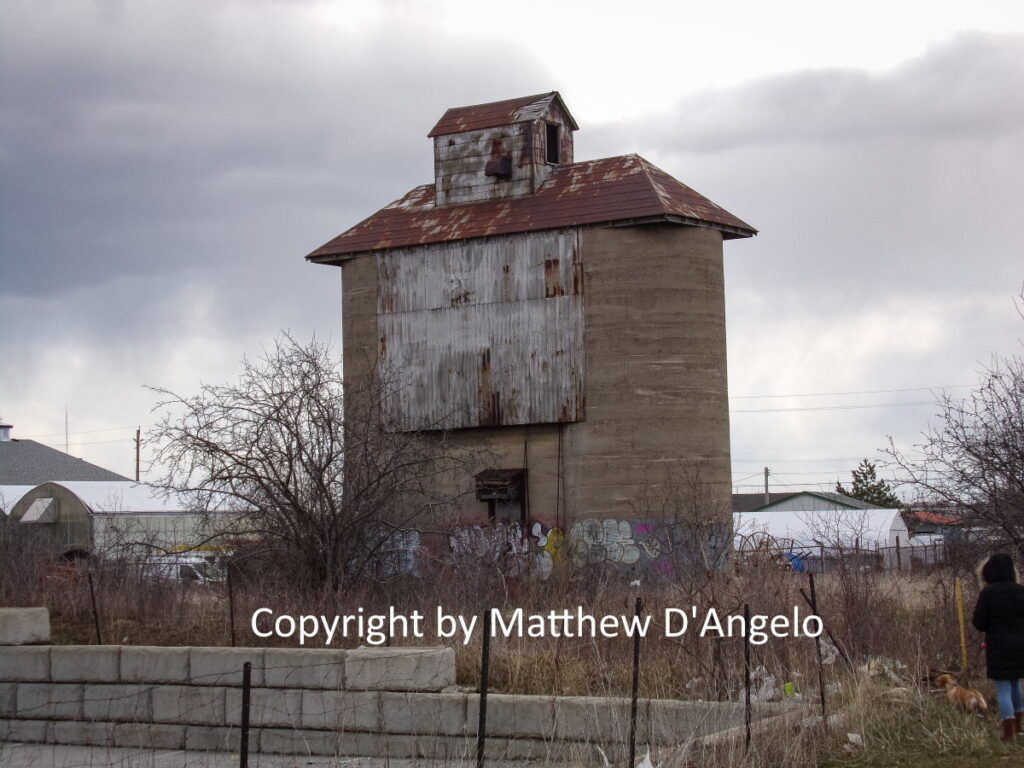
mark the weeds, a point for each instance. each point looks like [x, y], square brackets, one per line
[907, 618]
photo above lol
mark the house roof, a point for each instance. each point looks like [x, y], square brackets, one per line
[122, 496]
[623, 189]
[495, 113]
[925, 516]
[843, 499]
[748, 502]
[26, 462]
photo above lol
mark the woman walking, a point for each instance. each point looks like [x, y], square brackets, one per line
[999, 613]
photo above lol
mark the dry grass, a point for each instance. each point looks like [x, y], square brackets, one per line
[909, 618]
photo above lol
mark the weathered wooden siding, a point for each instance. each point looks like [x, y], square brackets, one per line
[460, 159]
[485, 332]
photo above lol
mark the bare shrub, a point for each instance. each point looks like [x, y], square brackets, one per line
[312, 474]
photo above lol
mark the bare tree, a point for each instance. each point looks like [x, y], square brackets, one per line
[974, 458]
[308, 468]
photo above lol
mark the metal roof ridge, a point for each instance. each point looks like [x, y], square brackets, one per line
[521, 101]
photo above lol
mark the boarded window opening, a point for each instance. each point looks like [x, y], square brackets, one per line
[505, 491]
[551, 143]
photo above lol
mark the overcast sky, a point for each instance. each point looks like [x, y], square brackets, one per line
[164, 168]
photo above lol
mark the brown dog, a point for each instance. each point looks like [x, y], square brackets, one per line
[967, 698]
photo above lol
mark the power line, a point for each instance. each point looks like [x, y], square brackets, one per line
[82, 432]
[833, 407]
[864, 392]
[98, 442]
[781, 460]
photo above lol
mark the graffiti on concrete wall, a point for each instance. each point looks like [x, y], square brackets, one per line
[603, 541]
[549, 548]
[638, 544]
[645, 544]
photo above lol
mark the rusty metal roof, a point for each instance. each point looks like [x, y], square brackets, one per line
[925, 516]
[459, 119]
[624, 189]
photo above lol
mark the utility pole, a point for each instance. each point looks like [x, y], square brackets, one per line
[138, 451]
[767, 497]
[66, 428]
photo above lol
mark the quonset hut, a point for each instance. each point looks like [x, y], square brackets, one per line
[568, 317]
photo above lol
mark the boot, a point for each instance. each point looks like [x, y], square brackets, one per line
[1009, 726]
[1019, 716]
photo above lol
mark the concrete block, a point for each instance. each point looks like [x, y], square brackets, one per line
[399, 669]
[85, 663]
[592, 718]
[31, 731]
[355, 744]
[49, 701]
[149, 736]
[223, 666]
[118, 703]
[202, 739]
[293, 741]
[267, 706]
[23, 626]
[25, 665]
[188, 704]
[299, 668]
[93, 734]
[8, 699]
[675, 721]
[341, 710]
[446, 749]
[540, 750]
[144, 664]
[513, 715]
[424, 713]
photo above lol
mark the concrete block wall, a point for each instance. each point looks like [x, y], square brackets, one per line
[23, 626]
[393, 702]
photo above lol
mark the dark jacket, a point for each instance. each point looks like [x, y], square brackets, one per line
[1000, 615]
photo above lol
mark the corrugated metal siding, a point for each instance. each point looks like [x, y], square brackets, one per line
[484, 333]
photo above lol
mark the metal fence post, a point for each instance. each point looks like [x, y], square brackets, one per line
[485, 670]
[746, 674]
[95, 610]
[636, 683]
[243, 750]
[817, 649]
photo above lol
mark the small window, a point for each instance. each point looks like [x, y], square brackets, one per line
[551, 143]
[41, 511]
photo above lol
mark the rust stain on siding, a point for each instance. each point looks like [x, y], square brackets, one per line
[486, 333]
[551, 285]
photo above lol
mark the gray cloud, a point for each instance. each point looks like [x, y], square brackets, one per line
[155, 140]
[961, 90]
[863, 186]
[164, 168]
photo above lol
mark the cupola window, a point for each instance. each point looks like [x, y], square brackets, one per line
[551, 143]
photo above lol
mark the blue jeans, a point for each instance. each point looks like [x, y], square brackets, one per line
[1008, 698]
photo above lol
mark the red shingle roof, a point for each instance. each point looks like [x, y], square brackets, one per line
[613, 189]
[459, 119]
